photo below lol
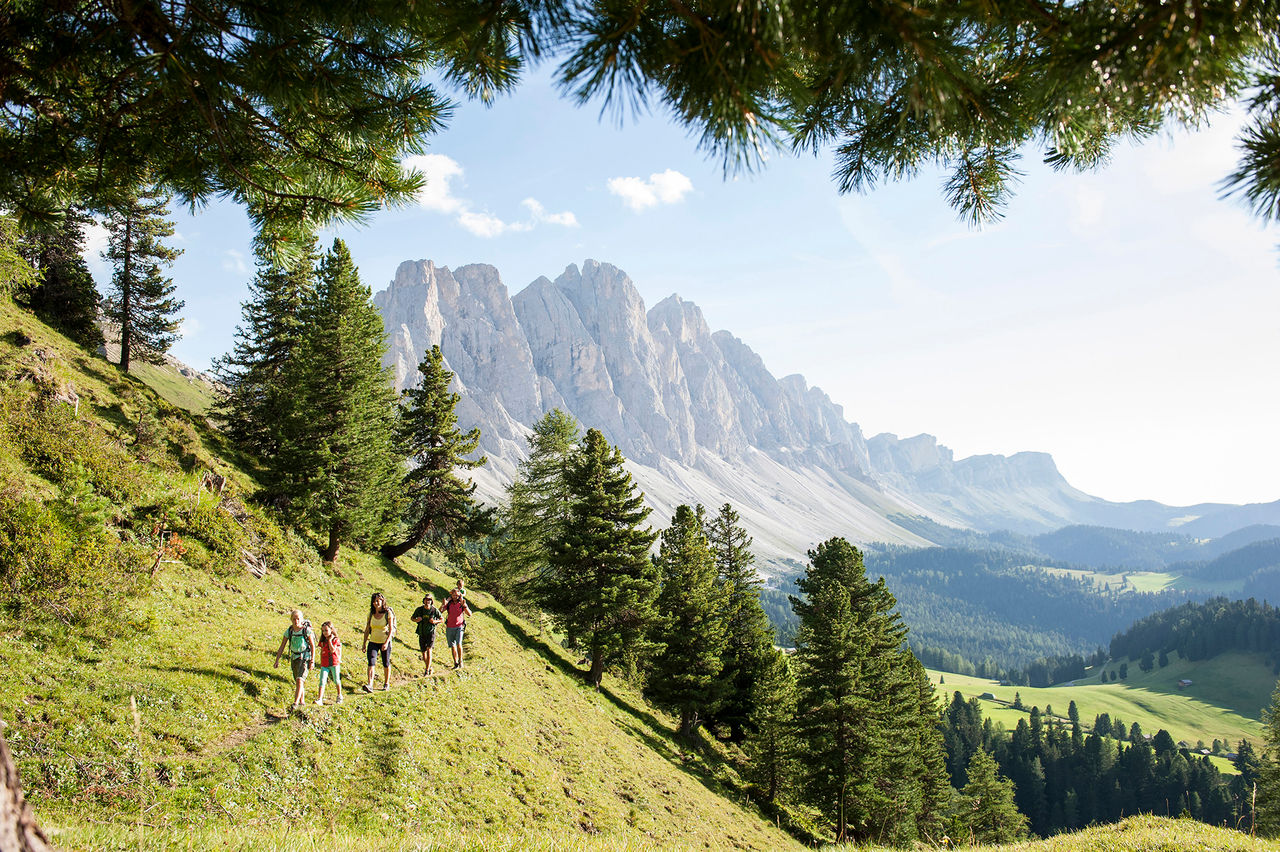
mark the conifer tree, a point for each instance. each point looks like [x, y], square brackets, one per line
[338, 467]
[534, 514]
[1267, 816]
[256, 403]
[65, 296]
[685, 676]
[141, 301]
[750, 636]
[16, 275]
[603, 584]
[858, 700]
[439, 504]
[772, 748]
[989, 814]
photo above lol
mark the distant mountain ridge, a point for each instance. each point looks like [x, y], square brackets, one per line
[702, 419]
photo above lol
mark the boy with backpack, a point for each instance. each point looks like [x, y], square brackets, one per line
[301, 643]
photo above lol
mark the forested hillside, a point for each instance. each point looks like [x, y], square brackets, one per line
[992, 611]
[1201, 631]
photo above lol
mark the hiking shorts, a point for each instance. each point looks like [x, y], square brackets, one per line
[330, 672]
[373, 650]
[299, 666]
[426, 640]
[453, 636]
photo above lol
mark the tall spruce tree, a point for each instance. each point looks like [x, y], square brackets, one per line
[439, 503]
[1267, 816]
[989, 814]
[141, 301]
[772, 748]
[65, 296]
[750, 636]
[534, 515]
[256, 402]
[685, 676]
[602, 583]
[858, 701]
[338, 466]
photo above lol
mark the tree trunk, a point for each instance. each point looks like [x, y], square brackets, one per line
[688, 723]
[416, 535]
[126, 302]
[596, 674]
[395, 551]
[330, 553]
[18, 829]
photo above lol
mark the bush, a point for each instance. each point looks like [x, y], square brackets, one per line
[79, 578]
[61, 447]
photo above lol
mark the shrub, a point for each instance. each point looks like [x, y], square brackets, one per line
[78, 577]
[61, 447]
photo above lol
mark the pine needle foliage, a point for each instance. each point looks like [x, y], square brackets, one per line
[299, 109]
[1267, 815]
[989, 815]
[255, 404]
[602, 584]
[339, 470]
[141, 300]
[439, 504]
[302, 110]
[65, 296]
[772, 749]
[859, 710]
[749, 639]
[534, 515]
[686, 675]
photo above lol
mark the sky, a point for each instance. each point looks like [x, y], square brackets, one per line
[1124, 320]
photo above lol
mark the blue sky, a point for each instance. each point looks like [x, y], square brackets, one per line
[1123, 320]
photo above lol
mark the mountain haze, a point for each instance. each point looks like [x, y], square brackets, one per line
[702, 419]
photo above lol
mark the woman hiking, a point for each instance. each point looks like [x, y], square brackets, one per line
[378, 630]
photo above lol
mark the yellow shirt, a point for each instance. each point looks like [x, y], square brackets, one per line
[379, 628]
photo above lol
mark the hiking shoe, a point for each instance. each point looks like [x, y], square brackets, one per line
[385, 687]
[340, 699]
[365, 687]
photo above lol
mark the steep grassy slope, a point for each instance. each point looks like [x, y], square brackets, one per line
[1224, 701]
[511, 747]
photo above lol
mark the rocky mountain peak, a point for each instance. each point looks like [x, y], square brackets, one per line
[685, 405]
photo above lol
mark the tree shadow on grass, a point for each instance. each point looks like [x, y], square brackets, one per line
[637, 721]
[242, 676]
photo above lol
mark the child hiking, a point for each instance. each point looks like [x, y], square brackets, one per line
[427, 617]
[378, 630]
[455, 619]
[301, 643]
[330, 660]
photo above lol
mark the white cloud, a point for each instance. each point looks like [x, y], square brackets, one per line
[666, 187]
[235, 261]
[438, 195]
[540, 214]
[439, 171]
[482, 224]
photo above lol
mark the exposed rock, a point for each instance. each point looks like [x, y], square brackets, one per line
[698, 414]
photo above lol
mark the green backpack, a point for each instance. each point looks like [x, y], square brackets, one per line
[298, 647]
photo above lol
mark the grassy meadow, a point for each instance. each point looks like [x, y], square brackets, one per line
[511, 747]
[1225, 700]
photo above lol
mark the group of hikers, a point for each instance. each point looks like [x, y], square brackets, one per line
[379, 629]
